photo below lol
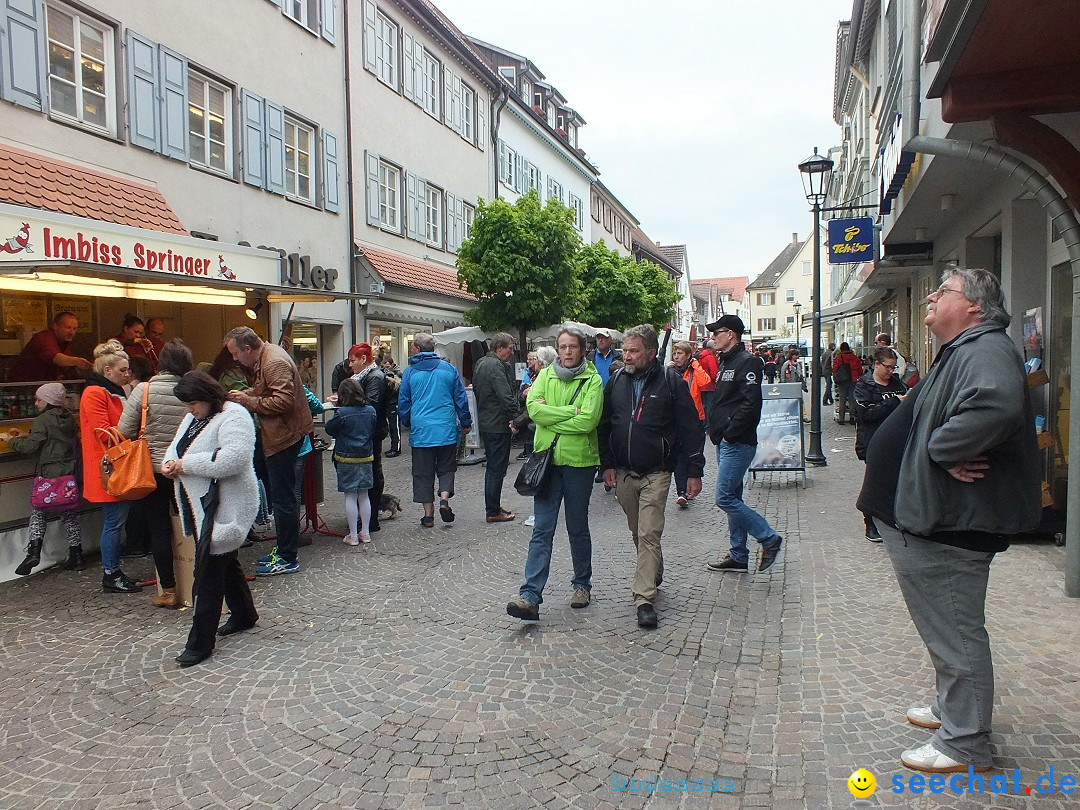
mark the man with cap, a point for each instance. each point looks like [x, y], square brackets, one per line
[605, 358]
[732, 424]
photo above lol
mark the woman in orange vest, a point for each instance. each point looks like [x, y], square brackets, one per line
[682, 358]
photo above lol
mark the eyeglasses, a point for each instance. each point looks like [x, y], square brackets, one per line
[888, 365]
[721, 329]
[940, 291]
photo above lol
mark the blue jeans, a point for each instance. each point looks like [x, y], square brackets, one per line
[732, 461]
[114, 516]
[497, 452]
[572, 487]
[281, 467]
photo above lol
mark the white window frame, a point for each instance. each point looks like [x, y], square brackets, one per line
[533, 177]
[432, 78]
[578, 207]
[766, 324]
[766, 299]
[468, 217]
[526, 90]
[434, 208]
[203, 105]
[79, 18]
[389, 196]
[387, 53]
[507, 165]
[556, 189]
[807, 268]
[468, 113]
[789, 296]
[301, 6]
[293, 130]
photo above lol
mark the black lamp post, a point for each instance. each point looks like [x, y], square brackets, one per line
[816, 172]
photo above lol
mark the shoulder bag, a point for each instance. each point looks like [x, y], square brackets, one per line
[126, 470]
[533, 473]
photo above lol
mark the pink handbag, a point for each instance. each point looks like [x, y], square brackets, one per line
[55, 494]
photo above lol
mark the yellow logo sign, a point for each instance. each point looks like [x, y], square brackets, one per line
[862, 784]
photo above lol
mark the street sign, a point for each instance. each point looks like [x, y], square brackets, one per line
[851, 240]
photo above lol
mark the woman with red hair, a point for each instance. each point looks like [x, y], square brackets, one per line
[361, 362]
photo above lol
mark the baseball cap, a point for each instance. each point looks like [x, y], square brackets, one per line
[603, 333]
[732, 322]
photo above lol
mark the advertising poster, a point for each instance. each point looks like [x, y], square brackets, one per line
[779, 436]
[1033, 330]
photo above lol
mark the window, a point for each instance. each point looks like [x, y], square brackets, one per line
[560, 120]
[766, 324]
[385, 49]
[468, 113]
[551, 115]
[389, 196]
[578, 207]
[429, 93]
[209, 123]
[766, 299]
[789, 296]
[507, 165]
[526, 90]
[298, 10]
[532, 177]
[807, 268]
[80, 68]
[790, 320]
[434, 215]
[595, 206]
[555, 189]
[571, 135]
[467, 220]
[538, 98]
[299, 154]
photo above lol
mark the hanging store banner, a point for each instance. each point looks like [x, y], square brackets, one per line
[851, 241]
[31, 236]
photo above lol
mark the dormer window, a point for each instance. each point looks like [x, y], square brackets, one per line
[571, 135]
[538, 98]
[526, 90]
[551, 114]
[560, 121]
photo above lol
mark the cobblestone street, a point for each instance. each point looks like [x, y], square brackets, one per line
[390, 676]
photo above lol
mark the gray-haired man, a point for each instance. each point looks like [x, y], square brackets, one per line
[496, 407]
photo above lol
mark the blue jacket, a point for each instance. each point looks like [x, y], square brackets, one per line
[352, 426]
[432, 401]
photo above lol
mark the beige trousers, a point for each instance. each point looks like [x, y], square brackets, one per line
[643, 499]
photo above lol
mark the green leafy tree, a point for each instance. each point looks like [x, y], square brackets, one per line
[520, 263]
[661, 295]
[613, 294]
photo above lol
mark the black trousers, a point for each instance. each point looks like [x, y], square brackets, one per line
[379, 482]
[394, 430]
[157, 510]
[223, 576]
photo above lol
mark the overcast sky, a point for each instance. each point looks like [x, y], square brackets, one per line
[698, 111]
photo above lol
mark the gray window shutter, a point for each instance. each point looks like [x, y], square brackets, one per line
[144, 114]
[372, 163]
[412, 209]
[519, 173]
[453, 232]
[328, 20]
[550, 188]
[448, 97]
[369, 37]
[174, 104]
[408, 72]
[251, 111]
[457, 122]
[331, 180]
[275, 147]
[22, 52]
[481, 122]
[420, 74]
[276, 3]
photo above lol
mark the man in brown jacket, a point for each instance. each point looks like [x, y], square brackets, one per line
[277, 398]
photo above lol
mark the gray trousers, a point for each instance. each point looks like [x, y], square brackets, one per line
[945, 591]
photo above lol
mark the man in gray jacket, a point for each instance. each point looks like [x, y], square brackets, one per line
[951, 476]
[496, 407]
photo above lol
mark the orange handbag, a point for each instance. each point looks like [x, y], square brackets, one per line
[126, 469]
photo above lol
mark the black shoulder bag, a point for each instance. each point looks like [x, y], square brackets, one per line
[534, 472]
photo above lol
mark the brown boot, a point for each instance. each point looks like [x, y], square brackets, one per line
[167, 598]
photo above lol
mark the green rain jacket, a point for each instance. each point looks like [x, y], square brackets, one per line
[576, 424]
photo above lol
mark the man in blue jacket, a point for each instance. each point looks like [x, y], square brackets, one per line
[432, 392]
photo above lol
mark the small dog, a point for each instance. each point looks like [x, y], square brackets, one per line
[389, 503]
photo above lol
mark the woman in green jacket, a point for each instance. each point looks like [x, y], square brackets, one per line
[565, 401]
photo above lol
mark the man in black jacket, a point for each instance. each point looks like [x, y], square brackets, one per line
[733, 421]
[649, 422]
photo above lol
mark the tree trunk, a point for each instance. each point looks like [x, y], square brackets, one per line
[522, 344]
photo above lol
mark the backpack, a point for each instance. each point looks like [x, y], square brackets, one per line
[842, 373]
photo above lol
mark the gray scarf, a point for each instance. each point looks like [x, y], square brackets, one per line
[567, 374]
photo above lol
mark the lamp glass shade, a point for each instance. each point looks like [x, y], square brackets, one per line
[816, 172]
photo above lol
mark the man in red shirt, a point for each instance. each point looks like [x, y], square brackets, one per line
[155, 333]
[45, 357]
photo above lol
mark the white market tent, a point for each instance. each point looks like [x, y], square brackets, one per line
[450, 343]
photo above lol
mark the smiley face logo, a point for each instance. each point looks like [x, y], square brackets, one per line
[862, 783]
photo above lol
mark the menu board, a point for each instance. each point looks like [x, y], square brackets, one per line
[81, 308]
[24, 310]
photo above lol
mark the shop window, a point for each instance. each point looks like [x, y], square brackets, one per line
[299, 149]
[209, 123]
[81, 84]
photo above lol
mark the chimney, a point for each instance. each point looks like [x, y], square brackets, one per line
[794, 238]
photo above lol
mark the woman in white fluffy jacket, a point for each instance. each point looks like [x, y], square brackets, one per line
[215, 440]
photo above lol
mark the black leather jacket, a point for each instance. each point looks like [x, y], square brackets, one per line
[736, 402]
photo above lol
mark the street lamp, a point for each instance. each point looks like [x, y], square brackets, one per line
[797, 306]
[816, 173]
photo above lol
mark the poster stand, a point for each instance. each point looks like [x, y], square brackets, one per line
[781, 443]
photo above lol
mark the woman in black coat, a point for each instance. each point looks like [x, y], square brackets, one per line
[876, 395]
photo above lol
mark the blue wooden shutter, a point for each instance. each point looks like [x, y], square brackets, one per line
[372, 163]
[328, 21]
[331, 180]
[369, 35]
[22, 52]
[144, 113]
[174, 104]
[251, 111]
[275, 147]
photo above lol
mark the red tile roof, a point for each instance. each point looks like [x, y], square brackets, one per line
[737, 285]
[416, 273]
[33, 180]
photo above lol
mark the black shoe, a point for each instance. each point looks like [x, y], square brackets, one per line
[769, 554]
[599, 477]
[445, 512]
[524, 454]
[373, 526]
[118, 582]
[189, 658]
[75, 558]
[646, 616]
[728, 564]
[29, 564]
[235, 625]
[391, 454]
[872, 534]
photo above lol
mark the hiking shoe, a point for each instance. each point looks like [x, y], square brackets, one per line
[681, 500]
[279, 565]
[769, 554]
[923, 717]
[872, 534]
[521, 608]
[427, 522]
[581, 597]
[445, 512]
[646, 616]
[728, 564]
[929, 759]
[266, 558]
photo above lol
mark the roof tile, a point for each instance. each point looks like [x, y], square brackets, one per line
[415, 273]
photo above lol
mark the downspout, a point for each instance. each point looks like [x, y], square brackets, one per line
[1062, 217]
[351, 252]
[496, 120]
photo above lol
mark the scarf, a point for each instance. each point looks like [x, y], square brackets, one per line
[93, 378]
[567, 374]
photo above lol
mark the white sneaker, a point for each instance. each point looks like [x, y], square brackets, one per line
[350, 540]
[929, 759]
[923, 717]
[530, 520]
